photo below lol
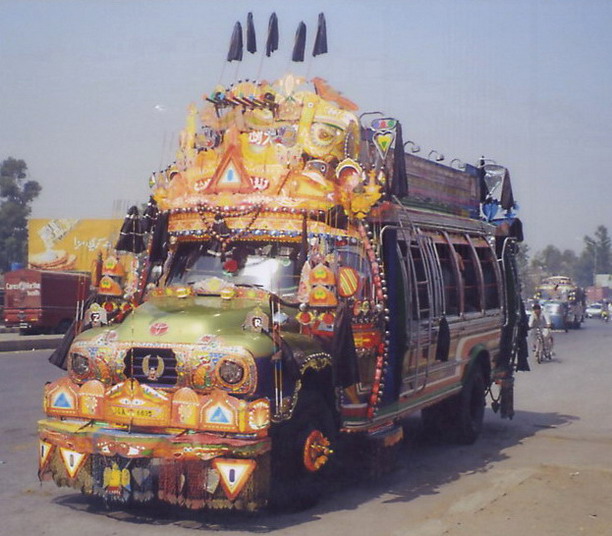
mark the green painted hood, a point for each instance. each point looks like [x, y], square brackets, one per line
[172, 320]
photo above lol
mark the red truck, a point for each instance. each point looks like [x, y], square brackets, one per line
[39, 301]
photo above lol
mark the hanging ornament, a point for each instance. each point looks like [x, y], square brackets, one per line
[383, 139]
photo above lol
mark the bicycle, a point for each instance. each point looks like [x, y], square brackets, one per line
[543, 351]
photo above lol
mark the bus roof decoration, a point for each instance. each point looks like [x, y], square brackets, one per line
[280, 145]
[284, 147]
[297, 147]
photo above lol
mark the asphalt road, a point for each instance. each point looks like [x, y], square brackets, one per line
[546, 472]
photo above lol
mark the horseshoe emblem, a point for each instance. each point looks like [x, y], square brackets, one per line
[153, 371]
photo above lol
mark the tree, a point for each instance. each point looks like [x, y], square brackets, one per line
[526, 275]
[553, 261]
[16, 195]
[599, 247]
[596, 257]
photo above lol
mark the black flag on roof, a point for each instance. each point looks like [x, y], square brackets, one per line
[272, 41]
[300, 43]
[320, 45]
[251, 41]
[235, 48]
[399, 186]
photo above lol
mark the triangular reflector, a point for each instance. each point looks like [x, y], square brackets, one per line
[220, 416]
[234, 474]
[231, 175]
[44, 449]
[62, 401]
[72, 460]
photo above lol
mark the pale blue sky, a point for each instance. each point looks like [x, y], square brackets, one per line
[94, 93]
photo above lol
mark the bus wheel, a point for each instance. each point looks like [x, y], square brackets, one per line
[469, 408]
[436, 420]
[302, 449]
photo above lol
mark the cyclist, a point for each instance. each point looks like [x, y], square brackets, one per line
[540, 320]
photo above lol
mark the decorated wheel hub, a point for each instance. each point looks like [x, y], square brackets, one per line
[316, 451]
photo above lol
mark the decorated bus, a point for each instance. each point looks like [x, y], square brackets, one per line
[566, 300]
[297, 286]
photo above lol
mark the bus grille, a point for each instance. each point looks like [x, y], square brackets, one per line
[154, 366]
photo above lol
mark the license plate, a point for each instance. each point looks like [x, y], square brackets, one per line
[133, 412]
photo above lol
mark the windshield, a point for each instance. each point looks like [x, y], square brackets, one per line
[270, 266]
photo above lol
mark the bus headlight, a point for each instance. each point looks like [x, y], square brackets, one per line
[80, 365]
[231, 371]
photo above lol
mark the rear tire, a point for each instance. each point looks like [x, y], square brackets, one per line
[458, 419]
[469, 408]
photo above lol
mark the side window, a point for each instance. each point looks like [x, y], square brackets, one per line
[407, 274]
[471, 291]
[489, 273]
[420, 295]
[449, 278]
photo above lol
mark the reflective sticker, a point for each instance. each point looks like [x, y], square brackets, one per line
[234, 474]
[219, 415]
[72, 460]
[44, 449]
[63, 400]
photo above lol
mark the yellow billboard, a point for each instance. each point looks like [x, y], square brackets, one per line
[69, 244]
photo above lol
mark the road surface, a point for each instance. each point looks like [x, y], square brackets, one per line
[546, 472]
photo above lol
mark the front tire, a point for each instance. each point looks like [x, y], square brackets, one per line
[301, 451]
